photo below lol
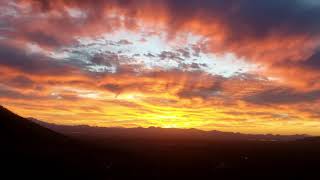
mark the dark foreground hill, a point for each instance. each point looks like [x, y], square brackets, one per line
[33, 151]
[29, 150]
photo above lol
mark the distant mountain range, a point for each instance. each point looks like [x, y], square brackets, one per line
[32, 149]
[53, 130]
[162, 133]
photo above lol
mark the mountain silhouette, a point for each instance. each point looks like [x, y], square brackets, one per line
[14, 127]
[40, 150]
[84, 131]
[30, 150]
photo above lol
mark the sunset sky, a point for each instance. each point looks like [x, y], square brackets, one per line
[249, 66]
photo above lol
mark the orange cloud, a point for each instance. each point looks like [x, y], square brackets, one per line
[284, 44]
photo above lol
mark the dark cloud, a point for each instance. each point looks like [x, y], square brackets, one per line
[195, 66]
[100, 59]
[15, 94]
[213, 90]
[266, 115]
[192, 66]
[124, 42]
[283, 96]
[242, 18]
[169, 55]
[113, 88]
[31, 63]
[8, 93]
[20, 81]
[150, 55]
[184, 52]
[242, 26]
[313, 62]
[11, 94]
[117, 61]
[254, 18]
[41, 38]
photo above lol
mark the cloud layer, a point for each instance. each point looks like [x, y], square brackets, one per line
[212, 64]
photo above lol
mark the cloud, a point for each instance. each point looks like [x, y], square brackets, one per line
[47, 40]
[215, 89]
[32, 63]
[313, 62]
[170, 55]
[107, 59]
[283, 96]
[256, 20]
[87, 55]
[264, 32]
[20, 82]
[124, 42]
[12, 94]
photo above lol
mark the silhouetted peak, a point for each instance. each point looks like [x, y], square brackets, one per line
[2, 108]
[151, 127]
[22, 129]
[6, 112]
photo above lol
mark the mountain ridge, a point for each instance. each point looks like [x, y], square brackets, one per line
[139, 132]
[151, 132]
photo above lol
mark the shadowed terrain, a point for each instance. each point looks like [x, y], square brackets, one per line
[82, 152]
[88, 132]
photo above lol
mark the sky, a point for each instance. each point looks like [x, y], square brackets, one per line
[238, 65]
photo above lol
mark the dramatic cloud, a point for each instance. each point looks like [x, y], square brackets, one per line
[32, 63]
[237, 65]
[283, 96]
[313, 62]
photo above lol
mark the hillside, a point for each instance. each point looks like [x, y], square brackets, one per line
[31, 150]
